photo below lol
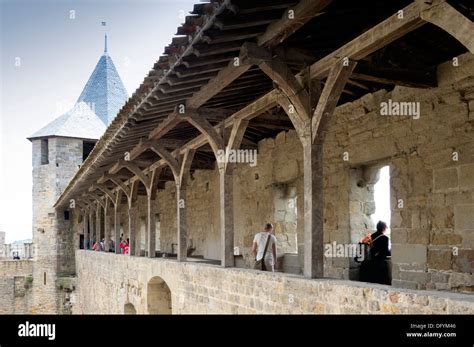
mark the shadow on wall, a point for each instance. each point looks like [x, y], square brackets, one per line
[158, 296]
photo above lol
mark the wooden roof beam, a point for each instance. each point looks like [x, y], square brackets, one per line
[445, 16]
[371, 40]
[293, 19]
[414, 78]
[332, 90]
[235, 68]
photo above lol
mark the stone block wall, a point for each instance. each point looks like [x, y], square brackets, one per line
[431, 162]
[15, 286]
[259, 195]
[109, 283]
[52, 235]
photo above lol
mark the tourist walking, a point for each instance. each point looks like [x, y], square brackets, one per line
[264, 249]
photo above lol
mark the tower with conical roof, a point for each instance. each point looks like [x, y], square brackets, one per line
[59, 149]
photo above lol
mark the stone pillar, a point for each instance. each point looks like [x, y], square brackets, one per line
[226, 217]
[313, 208]
[86, 231]
[117, 228]
[181, 221]
[151, 227]
[132, 229]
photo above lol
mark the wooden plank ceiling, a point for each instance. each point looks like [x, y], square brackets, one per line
[212, 36]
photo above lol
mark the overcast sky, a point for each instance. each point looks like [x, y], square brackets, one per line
[49, 49]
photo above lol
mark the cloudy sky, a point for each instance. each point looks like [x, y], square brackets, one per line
[48, 50]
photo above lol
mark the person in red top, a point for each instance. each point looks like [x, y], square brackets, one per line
[125, 247]
[122, 246]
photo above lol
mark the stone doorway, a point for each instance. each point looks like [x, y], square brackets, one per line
[158, 296]
[369, 202]
[129, 309]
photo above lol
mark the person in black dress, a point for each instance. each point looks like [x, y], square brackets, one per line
[375, 269]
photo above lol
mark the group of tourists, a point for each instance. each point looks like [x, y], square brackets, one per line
[124, 245]
[374, 268]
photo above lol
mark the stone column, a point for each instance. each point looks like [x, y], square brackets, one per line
[151, 227]
[226, 217]
[132, 228]
[313, 208]
[181, 223]
[86, 231]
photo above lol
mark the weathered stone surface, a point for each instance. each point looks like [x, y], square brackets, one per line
[464, 261]
[200, 288]
[464, 217]
[16, 281]
[409, 253]
[466, 177]
[440, 259]
[445, 179]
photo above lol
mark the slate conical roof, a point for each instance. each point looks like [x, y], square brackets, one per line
[104, 92]
[98, 104]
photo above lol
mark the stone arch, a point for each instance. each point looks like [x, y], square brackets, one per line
[128, 308]
[158, 296]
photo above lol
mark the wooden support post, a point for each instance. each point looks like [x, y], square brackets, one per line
[117, 227]
[98, 226]
[226, 194]
[132, 227]
[181, 223]
[313, 208]
[106, 225]
[92, 227]
[297, 103]
[151, 227]
[85, 219]
[226, 218]
[181, 179]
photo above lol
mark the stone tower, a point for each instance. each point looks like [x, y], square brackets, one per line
[58, 151]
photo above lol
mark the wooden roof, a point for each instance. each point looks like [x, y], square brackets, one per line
[196, 64]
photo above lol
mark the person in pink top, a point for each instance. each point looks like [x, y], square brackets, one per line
[125, 247]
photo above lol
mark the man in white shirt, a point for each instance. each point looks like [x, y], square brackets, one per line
[258, 247]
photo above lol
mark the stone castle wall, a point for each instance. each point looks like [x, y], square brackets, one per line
[108, 283]
[431, 162]
[51, 232]
[15, 286]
